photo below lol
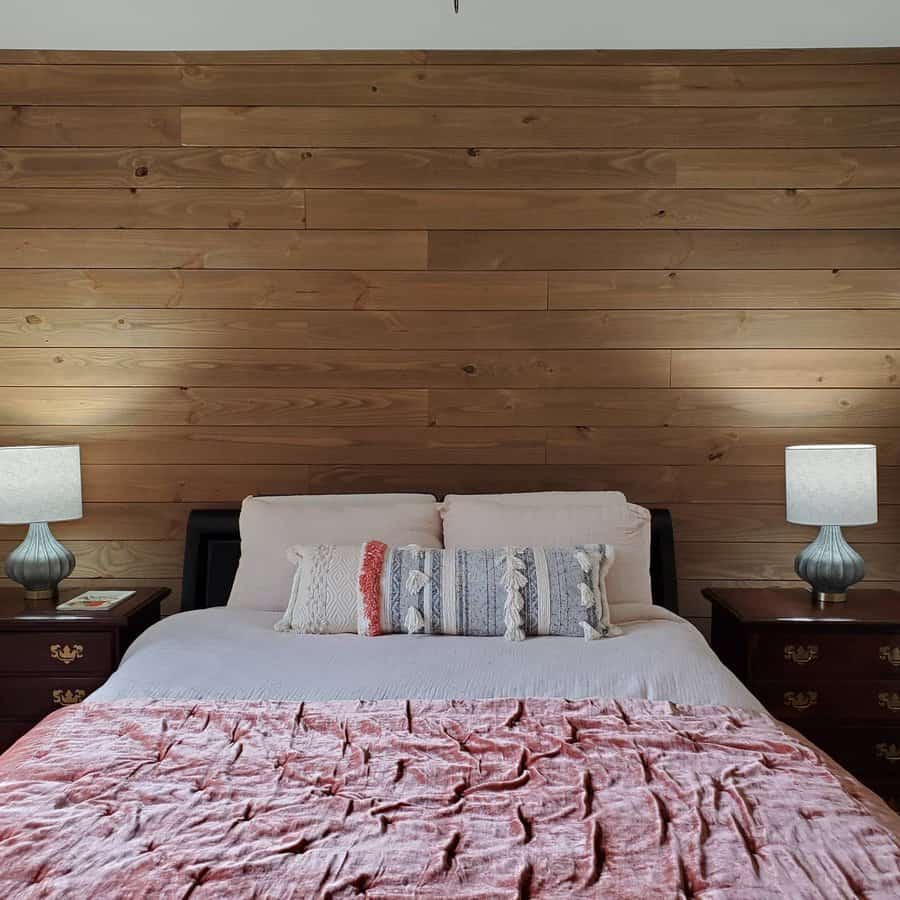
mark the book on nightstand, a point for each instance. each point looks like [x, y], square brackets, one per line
[96, 600]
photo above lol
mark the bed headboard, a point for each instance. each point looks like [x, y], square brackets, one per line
[213, 548]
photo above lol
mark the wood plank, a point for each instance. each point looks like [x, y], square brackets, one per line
[140, 208]
[770, 561]
[89, 126]
[197, 485]
[132, 559]
[713, 446]
[647, 485]
[535, 127]
[270, 289]
[786, 168]
[452, 167]
[214, 406]
[458, 85]
[762, 522]
[685, 407]
[165, 367]
[162, 248]
[786, 368]
[561, 210]
[698, 249]
[118, 522]
[436, 330]
[285, 445]
[715, 289]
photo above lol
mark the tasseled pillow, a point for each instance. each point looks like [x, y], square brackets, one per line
[501, 591]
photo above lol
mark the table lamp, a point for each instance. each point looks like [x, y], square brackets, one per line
[39, 485]
[830, 485]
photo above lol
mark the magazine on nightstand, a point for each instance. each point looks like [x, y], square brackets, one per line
[96, 600]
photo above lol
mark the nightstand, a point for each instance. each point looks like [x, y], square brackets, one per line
[832, 673]
[50, 659]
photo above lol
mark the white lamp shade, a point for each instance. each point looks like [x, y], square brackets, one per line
[831, 484]
[39, 484]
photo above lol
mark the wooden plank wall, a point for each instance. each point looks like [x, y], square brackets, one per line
[329, 272]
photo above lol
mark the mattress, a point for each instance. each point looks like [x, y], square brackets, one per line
[234, 654]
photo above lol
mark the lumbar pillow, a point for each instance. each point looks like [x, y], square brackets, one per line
[510, 591]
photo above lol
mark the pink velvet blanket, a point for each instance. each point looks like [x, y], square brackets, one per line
[495, 798]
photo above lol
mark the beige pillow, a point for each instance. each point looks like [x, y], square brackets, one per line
[478, 522]
[269, 525]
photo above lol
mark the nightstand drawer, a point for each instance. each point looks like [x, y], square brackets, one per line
[11, 731]
[33, 698]
[57, 652]
[872, 754]
[810, 655]
[802, 700]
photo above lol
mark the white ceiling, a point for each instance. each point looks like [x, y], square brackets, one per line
[425, 24]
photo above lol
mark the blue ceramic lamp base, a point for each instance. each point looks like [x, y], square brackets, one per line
[39, 563]
[830, 565]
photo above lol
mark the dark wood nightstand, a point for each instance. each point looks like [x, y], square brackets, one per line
[833, 673]
[50, 659]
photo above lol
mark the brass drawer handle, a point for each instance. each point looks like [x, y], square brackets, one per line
[67, 697]
[889, 701]
[801, 699]
[890, 655]
[889, 752]
[66, 654]
[801, 655]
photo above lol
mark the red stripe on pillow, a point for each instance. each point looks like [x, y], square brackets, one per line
[370, 584]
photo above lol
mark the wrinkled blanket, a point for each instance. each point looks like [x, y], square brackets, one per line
[463, 799]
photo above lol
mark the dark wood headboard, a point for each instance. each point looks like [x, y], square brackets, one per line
[213, 548]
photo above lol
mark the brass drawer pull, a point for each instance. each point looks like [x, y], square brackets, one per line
[67, 697]
[890, 655]
[801, 699]
[66, 654]
[801, 655]
[889, 752]
[889, 701]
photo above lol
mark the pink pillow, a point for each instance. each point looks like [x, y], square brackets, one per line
[567, 520]
[269, 525]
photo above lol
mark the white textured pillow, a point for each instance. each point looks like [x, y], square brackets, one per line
[476, 521]
[606, 500]
[269, 525]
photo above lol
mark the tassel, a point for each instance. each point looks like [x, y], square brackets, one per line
[590, 633]
[587, 595]
[294, 554]
[514, 580]
[584, 561]
[415, 581]
[413, 623]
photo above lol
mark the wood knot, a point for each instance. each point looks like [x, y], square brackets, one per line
[660, 212]
[306, 154]
[141, 172]
[470, 369]
[33, 320]
[473, 152]
[529, 118]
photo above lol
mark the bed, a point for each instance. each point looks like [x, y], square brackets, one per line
[226, 760]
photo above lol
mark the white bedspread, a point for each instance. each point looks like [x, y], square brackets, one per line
[235, 654]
